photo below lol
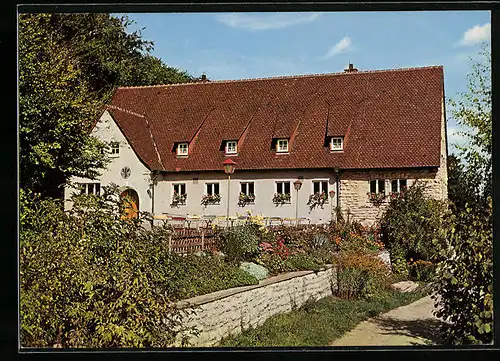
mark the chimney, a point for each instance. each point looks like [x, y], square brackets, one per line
[351, 69]
[203, 78]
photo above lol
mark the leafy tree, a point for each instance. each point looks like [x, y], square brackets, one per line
[460, 184]
[464, 282]
[473, 111]
[151, 70]
[465, 278]
[69, 66]
[56, 107]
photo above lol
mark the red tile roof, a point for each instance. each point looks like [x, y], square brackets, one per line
[389, 118]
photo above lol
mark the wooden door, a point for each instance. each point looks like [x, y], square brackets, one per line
[130, 199]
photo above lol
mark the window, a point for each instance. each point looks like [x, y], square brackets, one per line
[337, 143]
[180, 188]
[283, 187]
[90, 188]
[247, 188]
[377, 186]
[282, 194]
[282, 145]
[179, 196]
[212, 189]
[114, 148]
[182, 149]
[398, 185]
[231, 147]
[320, 187]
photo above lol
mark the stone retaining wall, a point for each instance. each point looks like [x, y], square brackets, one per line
[230, 311]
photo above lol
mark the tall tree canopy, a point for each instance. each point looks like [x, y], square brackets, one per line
[69, 67]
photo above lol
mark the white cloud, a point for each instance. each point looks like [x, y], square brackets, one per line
[265, 22]
[477, 34]
[341, 47]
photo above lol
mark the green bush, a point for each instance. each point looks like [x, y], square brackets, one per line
[464, 279]
[303, 262]
[240, 243]
[413, 227]
[89, 278]
[191, 275]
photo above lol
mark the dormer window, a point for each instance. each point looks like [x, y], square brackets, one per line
[337, 143]
[231, 147]
[182, 149]
[282, 146]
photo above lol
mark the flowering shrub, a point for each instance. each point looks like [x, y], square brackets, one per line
[274, 263]
[376, 198]
[317, 199]
[210, 199]
[244, 199]
[281, 198]
[360, 275]
[301, 237]
[278, 248]
[178, 199]
[355, 237]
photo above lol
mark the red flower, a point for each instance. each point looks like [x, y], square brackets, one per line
[266, 246]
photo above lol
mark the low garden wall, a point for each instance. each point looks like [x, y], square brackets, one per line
[230, 311]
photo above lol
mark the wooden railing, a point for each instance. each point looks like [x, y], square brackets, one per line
[189, 240]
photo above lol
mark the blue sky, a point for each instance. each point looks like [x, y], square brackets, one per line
[252, 45]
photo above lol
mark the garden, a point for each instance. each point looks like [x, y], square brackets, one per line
[90, 278]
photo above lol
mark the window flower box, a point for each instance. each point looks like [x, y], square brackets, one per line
[317, 199]
[399, 194]
[178, 199]
[281, 198]
[244, 199]
[376, 198]
[210, 199]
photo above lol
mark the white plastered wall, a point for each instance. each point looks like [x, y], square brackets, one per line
[107, 130]
[264, 189]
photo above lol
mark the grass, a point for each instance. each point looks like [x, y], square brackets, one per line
[318, 323]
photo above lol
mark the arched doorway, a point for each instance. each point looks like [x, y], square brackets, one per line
[130, 200]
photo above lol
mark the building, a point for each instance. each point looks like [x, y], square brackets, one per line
[352, 133]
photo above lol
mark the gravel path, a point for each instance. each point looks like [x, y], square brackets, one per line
[413, 324]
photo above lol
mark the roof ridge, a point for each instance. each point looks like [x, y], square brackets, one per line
[154, 142]
[343, 73]
[125, 110]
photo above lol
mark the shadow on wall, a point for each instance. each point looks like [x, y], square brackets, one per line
[428, 329]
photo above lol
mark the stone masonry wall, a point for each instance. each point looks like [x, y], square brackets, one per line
[355, 185]
[230, 311]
